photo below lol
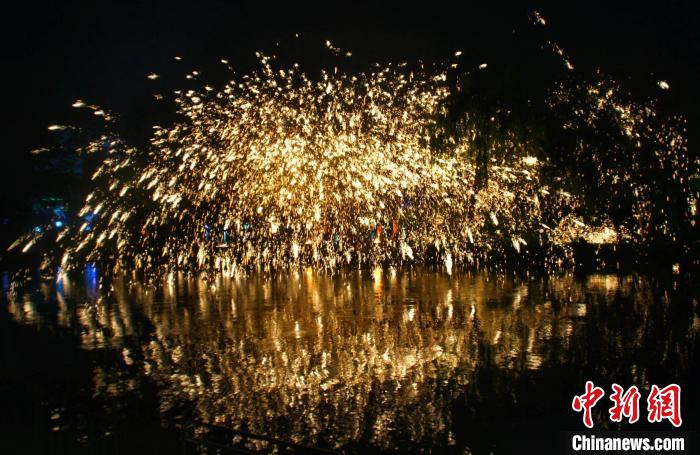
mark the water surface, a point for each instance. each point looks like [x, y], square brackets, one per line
[384, 358]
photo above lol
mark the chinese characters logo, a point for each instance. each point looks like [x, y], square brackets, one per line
[662, 404]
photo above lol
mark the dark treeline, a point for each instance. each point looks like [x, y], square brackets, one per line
[618, 147]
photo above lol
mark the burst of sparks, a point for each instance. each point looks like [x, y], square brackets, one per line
[276, 168]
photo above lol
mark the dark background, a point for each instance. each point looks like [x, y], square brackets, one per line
[55, 52]
[59, 51]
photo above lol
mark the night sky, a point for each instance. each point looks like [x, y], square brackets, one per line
[57, 52]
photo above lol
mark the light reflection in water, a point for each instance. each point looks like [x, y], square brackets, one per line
[359, 357]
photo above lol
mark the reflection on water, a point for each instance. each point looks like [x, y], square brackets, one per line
[385, 358]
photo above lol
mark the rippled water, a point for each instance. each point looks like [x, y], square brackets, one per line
[379, 358]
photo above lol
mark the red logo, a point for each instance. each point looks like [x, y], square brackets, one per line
[662, 404]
